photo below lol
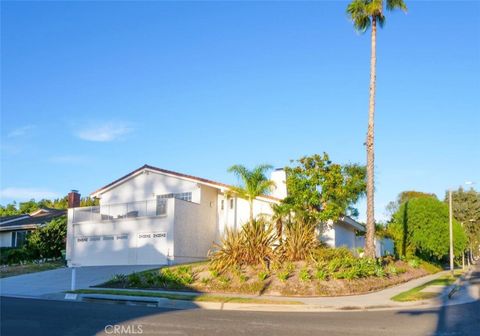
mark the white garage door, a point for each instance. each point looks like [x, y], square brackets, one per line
[101, 250]
[152, 248]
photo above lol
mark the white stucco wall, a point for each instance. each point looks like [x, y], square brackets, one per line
[125, 250]
[147, 185]
[279, 177]
[195, 226]
[328, 234]
[344, 236]
[5, 239]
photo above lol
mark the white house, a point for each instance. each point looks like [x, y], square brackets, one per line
[157, 216]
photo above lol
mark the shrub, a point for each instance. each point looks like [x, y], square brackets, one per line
[243, 278]
[392, 270]
[13, 255]
[177, 277]
[420, 228]
[262, 275]
[379, 271]
[253, 245]
[48, 241]
[414, 263]
[300, 241]
[320, 274]
[323, 255]
[134, 280]
[283, 275]
[304, 275]
[229, 253]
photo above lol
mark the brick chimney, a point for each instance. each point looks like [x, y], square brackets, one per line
[73, 199]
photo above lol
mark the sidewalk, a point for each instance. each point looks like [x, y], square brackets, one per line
[373, 301]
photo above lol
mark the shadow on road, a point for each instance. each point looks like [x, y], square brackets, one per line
[73, 318]
[459, 319]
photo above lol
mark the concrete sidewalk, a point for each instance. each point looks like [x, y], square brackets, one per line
[373, 301]
[59, 280]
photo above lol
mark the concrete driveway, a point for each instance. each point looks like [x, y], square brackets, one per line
[59, 280]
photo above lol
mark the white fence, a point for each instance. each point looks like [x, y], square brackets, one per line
[148, 208]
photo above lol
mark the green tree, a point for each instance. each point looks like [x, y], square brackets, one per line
[50, 240]
[365, 14]
[253, 183]
[466, 210]
[420, 227]
[404, 196]
[320, 190]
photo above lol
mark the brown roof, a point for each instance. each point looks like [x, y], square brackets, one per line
[170, 172]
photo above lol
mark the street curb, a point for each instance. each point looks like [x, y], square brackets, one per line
[459, 283]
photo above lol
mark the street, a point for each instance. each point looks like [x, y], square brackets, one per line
[44, 317]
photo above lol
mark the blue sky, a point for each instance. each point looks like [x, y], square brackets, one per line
[93, 90]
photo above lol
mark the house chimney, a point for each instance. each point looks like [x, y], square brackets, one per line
[279, 177]
[73, 199]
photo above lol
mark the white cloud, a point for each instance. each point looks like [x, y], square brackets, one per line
[22, 194]
[69, 159]
[21, 131]
[104, 132]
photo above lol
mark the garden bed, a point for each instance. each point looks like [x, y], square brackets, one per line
[287, 279]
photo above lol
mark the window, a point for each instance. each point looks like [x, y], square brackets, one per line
[231, 203]
[19, 238]
[185, 196]
[222, 205]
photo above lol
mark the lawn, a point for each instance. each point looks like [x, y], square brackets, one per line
[9, 271]
[185, 297]
[416, 294]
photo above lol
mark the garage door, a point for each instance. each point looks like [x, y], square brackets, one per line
[152, 248]
[101, 250]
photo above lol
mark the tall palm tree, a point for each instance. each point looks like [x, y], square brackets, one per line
[365, 14]
[254, 183]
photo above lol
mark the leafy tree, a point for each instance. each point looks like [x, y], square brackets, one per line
[253, 183]
[320, 190]
[420, 228]
[466, 210]
[365, 14]
[9, 210]
[31, 206]
[404, 196]
[50, 240]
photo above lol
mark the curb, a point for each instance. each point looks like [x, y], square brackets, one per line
[459, 283]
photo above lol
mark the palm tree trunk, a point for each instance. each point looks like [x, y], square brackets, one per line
[369, 244]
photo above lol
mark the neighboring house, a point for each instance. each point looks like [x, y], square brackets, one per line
[157, 216]
[14, 229]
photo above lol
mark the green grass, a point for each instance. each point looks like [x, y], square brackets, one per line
[9, 271]
[184, 297]
[415, 294]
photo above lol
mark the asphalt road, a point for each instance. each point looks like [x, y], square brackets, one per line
[43, 317]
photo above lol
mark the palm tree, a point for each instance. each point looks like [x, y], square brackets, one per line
[254, 183]
[366, 13]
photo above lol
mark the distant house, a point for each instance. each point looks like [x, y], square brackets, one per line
[157, 216]
[14, 229]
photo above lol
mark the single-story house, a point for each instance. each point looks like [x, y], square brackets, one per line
[157, 216]
[14, 229]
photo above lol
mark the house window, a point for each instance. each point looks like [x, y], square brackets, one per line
[19, 238]
[231, 203]
[185, 196]
[222, 205]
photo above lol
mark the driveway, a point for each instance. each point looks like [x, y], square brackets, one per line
[59, 280]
